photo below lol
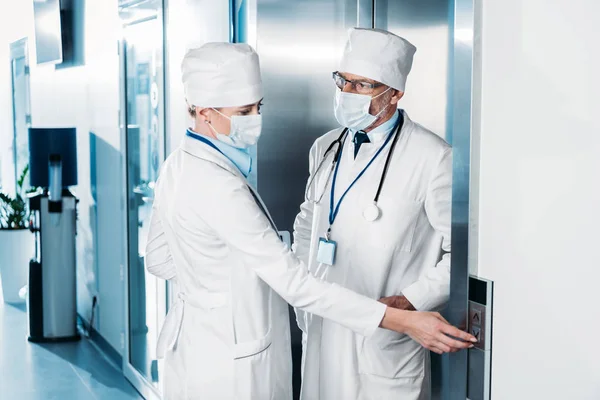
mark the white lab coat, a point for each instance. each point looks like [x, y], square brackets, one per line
[405, 252]
[227, 336]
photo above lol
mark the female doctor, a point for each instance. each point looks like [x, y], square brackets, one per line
[227, 336]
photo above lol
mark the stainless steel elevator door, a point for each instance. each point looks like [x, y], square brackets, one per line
[426, 24]
[299, 43]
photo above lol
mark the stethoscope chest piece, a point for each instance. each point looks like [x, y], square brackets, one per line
[372, 212]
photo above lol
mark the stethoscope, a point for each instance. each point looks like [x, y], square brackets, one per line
[372, 212]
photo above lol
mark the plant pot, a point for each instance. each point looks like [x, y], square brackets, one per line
[16, 250]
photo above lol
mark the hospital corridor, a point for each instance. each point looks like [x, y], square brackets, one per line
[299, 200]
[54, 371]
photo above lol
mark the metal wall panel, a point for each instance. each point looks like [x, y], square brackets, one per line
[426, 24]
[455, 386]
[365, 13]
[299, 43]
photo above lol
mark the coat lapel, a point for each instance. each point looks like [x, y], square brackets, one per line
[200, 150]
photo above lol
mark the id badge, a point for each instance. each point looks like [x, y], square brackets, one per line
[285, 238]
[326, 252]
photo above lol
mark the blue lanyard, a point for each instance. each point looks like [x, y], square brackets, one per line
[203, 140]
[333, 212]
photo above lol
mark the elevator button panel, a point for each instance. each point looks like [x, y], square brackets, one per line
[480, 325]
[477, 324]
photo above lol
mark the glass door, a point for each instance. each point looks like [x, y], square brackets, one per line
[19, 67]
[143, 82]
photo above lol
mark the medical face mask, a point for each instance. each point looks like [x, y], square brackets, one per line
[245, 130]
[352, 110]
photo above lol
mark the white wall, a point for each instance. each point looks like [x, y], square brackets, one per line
[539, 197]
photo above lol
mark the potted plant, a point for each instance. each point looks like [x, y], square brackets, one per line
[16, 241]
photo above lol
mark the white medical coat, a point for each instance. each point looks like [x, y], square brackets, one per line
[227, 336]
[406, 251]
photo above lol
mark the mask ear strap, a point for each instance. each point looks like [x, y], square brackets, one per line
[384, 108]
[380, 94]
[221, 113]
[212, 128]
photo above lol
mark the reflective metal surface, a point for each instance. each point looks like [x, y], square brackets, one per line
[144, 131]
[455, 379]
[299, 44]
[365, 14]
[426, 24]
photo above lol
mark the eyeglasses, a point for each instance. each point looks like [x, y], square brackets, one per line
[358, 86]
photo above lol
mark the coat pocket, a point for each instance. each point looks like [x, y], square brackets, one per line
[392, 355]
[253, 369]
[254, 347]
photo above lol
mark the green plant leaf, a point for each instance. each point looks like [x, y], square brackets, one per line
[5, 198]
[22, 177]
[14, 213]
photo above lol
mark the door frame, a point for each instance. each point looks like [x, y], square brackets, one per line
[139, 381]
[455, 366]
[19, 49]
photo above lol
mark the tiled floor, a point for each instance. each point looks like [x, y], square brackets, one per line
[71, 371]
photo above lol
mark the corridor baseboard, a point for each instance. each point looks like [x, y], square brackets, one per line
[101, 344]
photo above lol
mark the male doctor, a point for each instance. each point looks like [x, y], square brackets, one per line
[376, 220]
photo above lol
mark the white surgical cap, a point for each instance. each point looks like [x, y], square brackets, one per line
[379, 55]
[221, 75]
